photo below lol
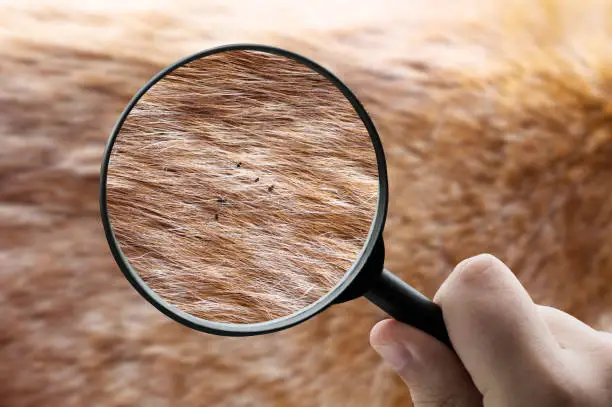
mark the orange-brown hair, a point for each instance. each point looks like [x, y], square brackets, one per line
[242, 186]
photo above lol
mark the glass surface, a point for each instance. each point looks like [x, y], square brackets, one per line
[242, 186]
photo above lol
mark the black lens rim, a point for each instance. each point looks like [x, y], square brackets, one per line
[227, 329]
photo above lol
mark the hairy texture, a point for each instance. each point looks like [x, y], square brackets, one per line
[496, 122]
[242, 186]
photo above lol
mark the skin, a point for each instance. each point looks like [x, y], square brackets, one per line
[510, 352]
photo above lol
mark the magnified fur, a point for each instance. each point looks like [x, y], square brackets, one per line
[242, 186]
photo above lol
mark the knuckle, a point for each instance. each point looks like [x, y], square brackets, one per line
[476, 270]
[471, 275]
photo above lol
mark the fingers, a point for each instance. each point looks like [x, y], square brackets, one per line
[495, 327]
[433, 373]
[516, 352]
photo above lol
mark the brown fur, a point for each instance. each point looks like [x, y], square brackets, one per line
[242, 186]
[495, 117]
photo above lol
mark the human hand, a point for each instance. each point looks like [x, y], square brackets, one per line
[510, 352]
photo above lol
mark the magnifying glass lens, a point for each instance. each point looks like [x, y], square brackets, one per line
[241, 187]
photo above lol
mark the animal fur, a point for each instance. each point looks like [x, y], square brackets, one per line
[496, 122]
[242, 186]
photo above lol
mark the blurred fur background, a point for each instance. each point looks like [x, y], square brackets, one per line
[496, 119]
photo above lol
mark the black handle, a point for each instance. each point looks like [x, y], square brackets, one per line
[407, 305]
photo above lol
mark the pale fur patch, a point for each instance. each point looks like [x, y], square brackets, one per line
[242, 186]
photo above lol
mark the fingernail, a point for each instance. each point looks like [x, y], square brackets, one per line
[395, 355]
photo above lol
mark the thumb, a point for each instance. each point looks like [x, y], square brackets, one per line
[433, 373]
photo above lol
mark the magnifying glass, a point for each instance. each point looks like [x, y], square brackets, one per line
[244, 190]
